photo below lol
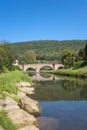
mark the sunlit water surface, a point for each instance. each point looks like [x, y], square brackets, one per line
[63, 102]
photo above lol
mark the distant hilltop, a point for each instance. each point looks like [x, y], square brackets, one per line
[47, 49]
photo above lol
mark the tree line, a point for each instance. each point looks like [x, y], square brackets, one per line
[71, 58]
[67, 52]
[45, 50]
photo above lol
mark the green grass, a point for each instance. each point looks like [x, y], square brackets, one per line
[80, 72]
[16, 98]
[5, 122]
[8, 81]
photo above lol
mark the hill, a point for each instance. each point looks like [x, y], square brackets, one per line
[47, 49]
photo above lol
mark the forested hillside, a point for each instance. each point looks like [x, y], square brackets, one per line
[49, 50]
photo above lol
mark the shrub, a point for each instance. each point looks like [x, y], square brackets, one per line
[15, 68]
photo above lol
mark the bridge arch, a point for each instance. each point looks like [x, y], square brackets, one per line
[61, 67]
[31, 69]
[37, 67]
[46, 67]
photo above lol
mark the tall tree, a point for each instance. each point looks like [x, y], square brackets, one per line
[5, 56]
[68, 58]
[30, 56]
[85, 51]
[81, 54]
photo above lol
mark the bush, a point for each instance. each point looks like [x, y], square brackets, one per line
[5, 69]
[15, 68]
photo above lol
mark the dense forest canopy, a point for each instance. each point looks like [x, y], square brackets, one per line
[48, 50]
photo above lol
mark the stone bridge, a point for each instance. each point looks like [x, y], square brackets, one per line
[37, 67]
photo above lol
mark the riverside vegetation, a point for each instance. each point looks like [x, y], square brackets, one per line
[16, 108]
[14, 85]
[44, 50]
[75, 62]
[71, 53]
[76, 72]
[7, 83]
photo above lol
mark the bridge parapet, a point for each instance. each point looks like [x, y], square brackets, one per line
[37, 67]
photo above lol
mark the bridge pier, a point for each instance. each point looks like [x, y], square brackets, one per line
[37, 70]
[53, 66]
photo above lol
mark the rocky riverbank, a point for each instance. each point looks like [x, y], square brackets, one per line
[23, 112]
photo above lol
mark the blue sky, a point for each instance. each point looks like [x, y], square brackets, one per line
[27, 20]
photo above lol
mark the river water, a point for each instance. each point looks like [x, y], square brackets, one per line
[63, 102]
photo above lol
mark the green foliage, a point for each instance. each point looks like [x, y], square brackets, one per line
[80, 72]
[29, 57]
[5, 122]
[8, 81]
[5, 57]
[78, 64]
[68, 58]
[81, 54]
[71, 58]
[15, 68]
[85, 51]
[16, 98]
[47, 50]
[5, 69]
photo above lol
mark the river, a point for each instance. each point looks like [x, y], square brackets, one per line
[63, 102]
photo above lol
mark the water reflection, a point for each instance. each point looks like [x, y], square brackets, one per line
[63, 102]
[43, 77]
[63, 89]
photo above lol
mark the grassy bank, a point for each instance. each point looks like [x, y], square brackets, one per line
[80, 72]
[7, 83]
[8, 80]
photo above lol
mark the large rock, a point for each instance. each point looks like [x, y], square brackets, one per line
[23, 84]
[10, 101]
[30, 127]
[21, 94]
[21, 117]
[25, 87]
[17, 115]
[2, 102]
[30, 105]
[10, 104]
[27, 90]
